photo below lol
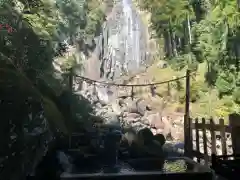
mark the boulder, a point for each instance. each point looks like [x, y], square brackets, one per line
[162, 64]
[137, 125]
[154, 131]
[131, 105]
[141, 106]
[131, 120]
[112, 120]
[155, 121]
[145, 121]
[133, 115]
[116, 108]
[123, 94]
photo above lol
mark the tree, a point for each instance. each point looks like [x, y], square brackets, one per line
[200, 31]
[31, 94]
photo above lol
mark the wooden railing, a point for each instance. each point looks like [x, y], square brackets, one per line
[210, 136]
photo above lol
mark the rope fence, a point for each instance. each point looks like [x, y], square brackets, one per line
[131, 85]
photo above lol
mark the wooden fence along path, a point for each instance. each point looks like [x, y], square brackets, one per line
[207, 136]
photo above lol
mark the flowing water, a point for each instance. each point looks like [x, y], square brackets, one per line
[122, 47]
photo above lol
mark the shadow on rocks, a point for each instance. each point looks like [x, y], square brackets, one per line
[141, 144]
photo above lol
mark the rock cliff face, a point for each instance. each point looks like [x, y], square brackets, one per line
[121, 48]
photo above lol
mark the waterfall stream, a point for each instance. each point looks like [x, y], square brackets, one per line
[121, 49]
[122, 46]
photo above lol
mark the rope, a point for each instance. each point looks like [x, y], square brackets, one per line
[132, 85]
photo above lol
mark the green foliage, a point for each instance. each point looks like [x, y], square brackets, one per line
[236, 95]
[34, 95]
[200, 31]
[194, 93]
[178, 85]
[175, 166]
[38, 26]
[68, 63]
[225, 83]
[227, 101]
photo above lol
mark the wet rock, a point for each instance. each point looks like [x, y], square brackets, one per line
[129, 137]
[116, 108]
[121, 102]
[138, 125]
[124, 108]
[156, 121]
[148, 107]
[112, 120]
[148, 113]
[98, 105]
[159, 131]
[162, 64]
[145, 121]
[131, 120]
[179, 121]
[160, 138]
[146, 135]
[177, 133]
[131, 106]
[154, 131]
[123, 94]
[105, 95]
[133, 115]
[141, 106]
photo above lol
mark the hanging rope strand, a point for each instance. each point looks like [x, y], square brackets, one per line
[130, 85]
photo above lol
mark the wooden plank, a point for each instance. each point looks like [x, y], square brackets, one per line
[168, 89]
[187, 138]
[216, 127]
[223, 139]
[234, 120]
[213, 137]
[190, 135]
[187, 124]
[202, 156]
[205, 142]
[197, 139]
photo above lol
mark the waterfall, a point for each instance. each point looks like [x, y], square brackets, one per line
[123, 49]
[132, 36]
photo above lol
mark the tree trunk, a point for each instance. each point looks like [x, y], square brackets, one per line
[167, 43]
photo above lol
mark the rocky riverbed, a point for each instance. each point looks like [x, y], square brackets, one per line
[119, 108]
[122, 111]
[133, 112]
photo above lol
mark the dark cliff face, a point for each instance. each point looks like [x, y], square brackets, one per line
[121, 47]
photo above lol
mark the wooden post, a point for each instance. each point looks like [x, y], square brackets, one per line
[223, 137]
[234, 122]
[197, 138]
[187, 123]
[132, 93]
[169, 93]
[213, 137]
[205, 153]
